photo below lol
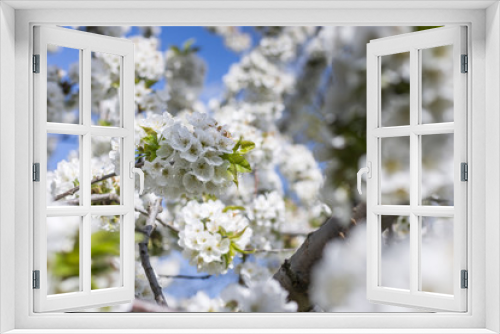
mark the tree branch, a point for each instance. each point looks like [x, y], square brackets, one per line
[294, 274]
[72, 191]
[95, 197]
[186, 276]
[278, 250]
[158, 220]
[144, 254]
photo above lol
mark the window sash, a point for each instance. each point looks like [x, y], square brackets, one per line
[412, 43]
[85, 43]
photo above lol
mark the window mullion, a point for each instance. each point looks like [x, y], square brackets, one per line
[85, 238]
[414, 170]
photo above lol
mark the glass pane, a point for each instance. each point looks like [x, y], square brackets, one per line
[105, 169]
[395, 89]
[63, 84]
[395, 252]
[395, 171]
[105, 86]
[437, 169]
[105, 252]
[63, 170]
[437, 84]
[436, 257]
[63, 254]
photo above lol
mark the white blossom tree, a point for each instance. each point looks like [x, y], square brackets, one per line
[257, 184]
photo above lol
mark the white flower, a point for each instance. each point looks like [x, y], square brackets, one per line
[204, 230]
[194, 151]
[265, 296]
[203, 170]
[166, 176]
[192, 183]
[213, 158]
[252, 272]
[114, 155]
[221, 173]
[201, 302]
[207, 140]
[181, 138]
[165, 151]
[201, 120]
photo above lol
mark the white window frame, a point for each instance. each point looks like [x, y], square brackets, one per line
[414, 43]
[85, 43]
[16, 21]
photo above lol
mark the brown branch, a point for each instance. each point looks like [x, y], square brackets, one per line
[95, 197]
[158, 220]
[279, 250]
[72, 191]
[144, 254]
[295, 273]
[203, 277]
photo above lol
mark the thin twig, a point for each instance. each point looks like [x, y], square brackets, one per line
[144, 254]
[95, 197]
[280, 250]
[72, 191]
[157, 219]
[186, 276]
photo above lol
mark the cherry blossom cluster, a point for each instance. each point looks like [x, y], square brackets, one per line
[284, 46]
[211, 235]
[267, 216]
[185, 74]
[189, 158]
[259, 77]
[301, 169]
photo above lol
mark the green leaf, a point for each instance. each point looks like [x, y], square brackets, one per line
[187, 45]
[239, 250]
[239, 234]
[234, 172]
[149, 130]
[176, 50]
[102, 122]
[237, 146]
[246, 146]
[227, 258]
[233, 207]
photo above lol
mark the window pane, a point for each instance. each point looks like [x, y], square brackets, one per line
[395, 89]
[105, 169]
[436, 257]
[437, 84]
[63, 254]
[63, 84]
[105, 86]
[395, 252]
[395, 171]
[63, 170]
[105, 252]
[437, 169]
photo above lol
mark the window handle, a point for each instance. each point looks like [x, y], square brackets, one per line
[368, 171]
[133, 170]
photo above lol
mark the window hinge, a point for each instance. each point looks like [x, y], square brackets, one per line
[464, 172]
[465, 64]
[464, 279]
[36, 172]
[36, 279]
[36, 63]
